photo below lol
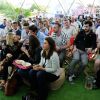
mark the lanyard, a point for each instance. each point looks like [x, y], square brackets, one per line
[44, 63]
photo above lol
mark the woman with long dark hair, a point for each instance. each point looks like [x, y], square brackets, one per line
[33, 53]
[47, 71]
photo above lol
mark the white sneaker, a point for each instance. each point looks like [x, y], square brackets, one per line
[71, 78]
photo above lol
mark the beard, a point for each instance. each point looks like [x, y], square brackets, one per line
[86, 30]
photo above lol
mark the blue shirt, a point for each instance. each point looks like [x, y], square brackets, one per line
[41, 36]
[45, 32]
[2, 26]
[24, 35]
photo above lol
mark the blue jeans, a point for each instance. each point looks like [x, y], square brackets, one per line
[78, 56]
[24, 73]
[40, 80]
[62, 56]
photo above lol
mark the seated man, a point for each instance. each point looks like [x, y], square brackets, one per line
[25, 32]
[15, 29]
[57, 37]
[97, 69]
[85, 42]
[3, 25]
[97, 63]
[2, 37]
[66, 32]
[98, 36]
[42, 28]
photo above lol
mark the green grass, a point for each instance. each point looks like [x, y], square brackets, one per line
[74, 92]
[66, 92]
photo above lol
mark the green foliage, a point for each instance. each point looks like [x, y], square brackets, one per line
[10, 12]
[33, 7]
[39, 8]
[27, 12]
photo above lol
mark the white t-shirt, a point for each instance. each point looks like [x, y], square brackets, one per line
[2, 34]
[24, 35]
[75, 24]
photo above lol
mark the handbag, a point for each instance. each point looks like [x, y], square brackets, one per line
[11, 85]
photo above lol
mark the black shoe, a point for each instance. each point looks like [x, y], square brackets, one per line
[29, 96]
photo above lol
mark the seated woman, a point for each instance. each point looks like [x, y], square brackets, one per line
[12, 53]
[33, 51]
[47, 71]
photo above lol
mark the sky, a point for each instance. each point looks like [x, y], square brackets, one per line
[54, 4]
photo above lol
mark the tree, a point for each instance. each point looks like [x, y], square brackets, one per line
[10, 12]
[38, 7]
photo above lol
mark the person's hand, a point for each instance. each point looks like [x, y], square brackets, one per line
[9, 55]
[63, 47]
[58, 49]
[75, 49]
[89, 50]
[36, 67]
[23, 49]
[93, 52]
[41, 68]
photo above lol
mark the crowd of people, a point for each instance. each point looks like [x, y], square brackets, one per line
[43, 43]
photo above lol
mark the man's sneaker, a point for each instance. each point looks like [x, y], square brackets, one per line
[70, 78]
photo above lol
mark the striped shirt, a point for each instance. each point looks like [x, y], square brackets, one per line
[57, 39]
[67, 33]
